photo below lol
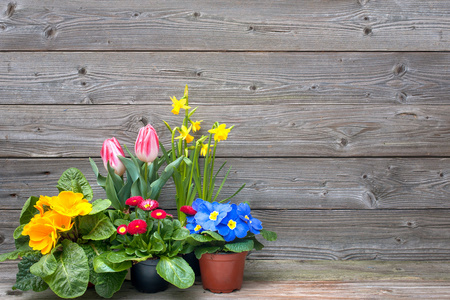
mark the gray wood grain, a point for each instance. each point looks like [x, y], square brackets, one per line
[334, 234]
[271, 183]
[260, 130]
[288, 25]
[225, 78]
[281, 279]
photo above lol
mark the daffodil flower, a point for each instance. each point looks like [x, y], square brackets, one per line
[204, 150]
[196, 125]
[184, 134]
[220, 132]
[178, 104]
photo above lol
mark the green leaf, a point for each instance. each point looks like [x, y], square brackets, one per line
[119, 222]
[100, 205]
[73, 180]
[257, 244]
[109, 283]
[18, 231]
[165, 175]
[180, 234]
[119, 257]
[214, 235]
[101, 180]
[25, 280]
[176, 271]
[269, 235]
[200, 238]
[111, 194]
[46, 266]
[28, 210]
[14, 255]
[240, 246]
[96, 227]
[166, 229]
[206, 249]
[71, 276]
[103, 265]
[22, 243]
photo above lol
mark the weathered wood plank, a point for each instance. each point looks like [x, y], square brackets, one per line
[289, 25]
[260, 130]
[274, 183]
[225, 78]
[334, 234]
[309, 280]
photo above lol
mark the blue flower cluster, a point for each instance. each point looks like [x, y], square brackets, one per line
[229, 220]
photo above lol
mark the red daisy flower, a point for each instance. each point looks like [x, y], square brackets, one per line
[134, 201]
[158, 214]
[148, 204]
[122, 229]
[137, 227]
[188, 210]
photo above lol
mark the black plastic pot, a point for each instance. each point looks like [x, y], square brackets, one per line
[145, 278]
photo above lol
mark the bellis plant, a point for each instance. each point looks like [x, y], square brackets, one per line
[192, 180]
[223, 227]
[58, 239]
[146, 232]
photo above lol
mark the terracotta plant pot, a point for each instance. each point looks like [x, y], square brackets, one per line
[145, 278]
[222, 272]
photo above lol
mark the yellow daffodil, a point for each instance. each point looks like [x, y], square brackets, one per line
[42, 233]
[178, 104]
[184, 134]
[71, 204]
[220, 132]
[196, 125]
[204, 150]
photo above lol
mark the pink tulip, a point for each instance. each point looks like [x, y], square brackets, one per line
[147, 144]
[110, 151]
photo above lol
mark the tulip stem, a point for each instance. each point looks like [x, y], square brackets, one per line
[146, 179]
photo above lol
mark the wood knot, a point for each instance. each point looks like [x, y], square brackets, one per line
[11, 8]
[401, 97]
[196, 14]
[253, 87]
[367, 30]
[50, 32]
[363, 2]
[399, 70]
[2, 238]
[14, 293]
[82, 71]
[144, 120]
[344, 142]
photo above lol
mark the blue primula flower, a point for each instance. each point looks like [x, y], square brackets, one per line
[254, 225]
[209, 215]
[193, 226]
[232, 226]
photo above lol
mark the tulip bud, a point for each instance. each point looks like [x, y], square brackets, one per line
[110, 151]
[147, 144]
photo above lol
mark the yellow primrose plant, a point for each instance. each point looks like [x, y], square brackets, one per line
[191, 179]
[58, 239]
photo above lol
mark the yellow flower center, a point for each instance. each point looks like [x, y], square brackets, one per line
[247, 217]
[231, 224]
[159, 214]
[147, 205]
[197, 228]
[122, 229]
[213, 215]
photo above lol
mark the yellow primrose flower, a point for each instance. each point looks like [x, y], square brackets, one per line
[42, 233]
[196, 125]
[71, 204]
[184, 134]
[178, 104]
[220, 132]
[60, 222]
[43, 203]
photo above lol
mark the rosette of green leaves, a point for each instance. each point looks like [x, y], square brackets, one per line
[213, 242]
[142, 179]
[68, 268]
[164, 241]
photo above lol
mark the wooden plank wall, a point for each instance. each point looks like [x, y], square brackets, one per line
[341, 109]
